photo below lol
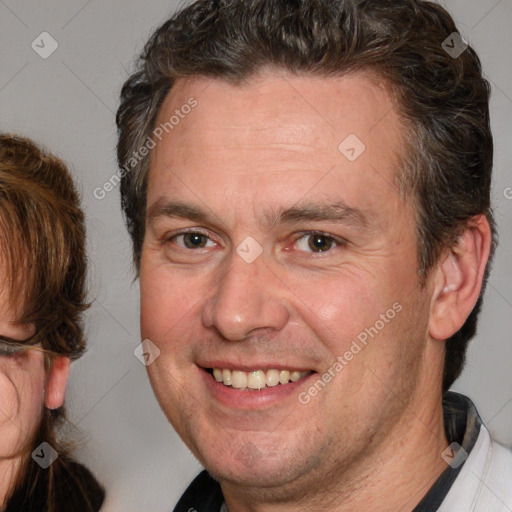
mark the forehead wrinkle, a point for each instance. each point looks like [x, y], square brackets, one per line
[317, 212]
[178, 209]
[313, 212]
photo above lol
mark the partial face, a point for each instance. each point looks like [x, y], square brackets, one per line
[22, 382]
[275, 258]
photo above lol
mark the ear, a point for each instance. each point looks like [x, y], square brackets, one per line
[458, 279]
[57, 382]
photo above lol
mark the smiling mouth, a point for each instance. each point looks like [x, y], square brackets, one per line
[256, 380]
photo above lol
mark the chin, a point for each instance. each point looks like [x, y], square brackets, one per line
[254, 466]
[259, 476]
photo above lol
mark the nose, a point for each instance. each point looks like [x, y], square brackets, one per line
[248, 297]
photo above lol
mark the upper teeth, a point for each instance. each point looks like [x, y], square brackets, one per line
[257, 379]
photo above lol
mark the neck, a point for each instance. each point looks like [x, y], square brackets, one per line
[394, 476]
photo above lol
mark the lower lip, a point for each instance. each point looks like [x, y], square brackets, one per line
[252, 400]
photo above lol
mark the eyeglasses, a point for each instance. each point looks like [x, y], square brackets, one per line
[10, 346]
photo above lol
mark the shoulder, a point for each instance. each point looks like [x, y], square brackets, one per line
[485, 481]
[67, 484]
[78, 486]
[500, 469]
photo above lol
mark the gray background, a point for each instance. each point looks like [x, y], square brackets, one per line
[67, 102]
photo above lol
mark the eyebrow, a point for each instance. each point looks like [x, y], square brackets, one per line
[333, 212]
[163, 208]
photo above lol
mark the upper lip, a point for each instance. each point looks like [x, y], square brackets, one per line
[245, 367]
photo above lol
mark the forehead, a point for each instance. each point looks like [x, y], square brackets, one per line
[276, 132]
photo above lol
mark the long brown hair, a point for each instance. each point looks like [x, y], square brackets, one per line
[42, 246]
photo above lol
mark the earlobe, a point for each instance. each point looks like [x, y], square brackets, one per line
[458, 280]
[57, 382]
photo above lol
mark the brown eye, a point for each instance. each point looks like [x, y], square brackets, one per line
[192, 240]
[316, 242]
[320, 243]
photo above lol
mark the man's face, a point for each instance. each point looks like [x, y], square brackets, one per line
[276, 161]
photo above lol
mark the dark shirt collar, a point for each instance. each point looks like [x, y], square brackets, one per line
[462, 426]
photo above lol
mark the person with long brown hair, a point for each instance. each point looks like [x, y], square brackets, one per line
[42, 300]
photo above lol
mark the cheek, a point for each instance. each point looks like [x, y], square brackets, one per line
[21, 399]
[166, 298]
[154, 303]
[365, 319]
[10, 400]
[340, 307]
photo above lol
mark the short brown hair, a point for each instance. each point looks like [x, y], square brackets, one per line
[444, 101]
[42, 246]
